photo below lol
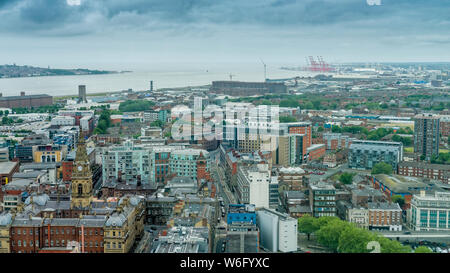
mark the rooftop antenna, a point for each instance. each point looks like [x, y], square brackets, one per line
[231, 77]
[265, 69]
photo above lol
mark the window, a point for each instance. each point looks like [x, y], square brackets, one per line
[19, 243]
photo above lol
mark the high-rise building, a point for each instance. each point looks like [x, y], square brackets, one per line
[322, 199]
[426, 135]
[82, 94]
[253, 185]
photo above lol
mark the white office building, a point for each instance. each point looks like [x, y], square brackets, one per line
[253, 185]
[63, 121]
[430, 212]
[278, 231]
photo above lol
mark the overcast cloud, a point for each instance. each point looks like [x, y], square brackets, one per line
[52, 31]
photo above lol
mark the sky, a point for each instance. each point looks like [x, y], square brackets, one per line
[135, 34]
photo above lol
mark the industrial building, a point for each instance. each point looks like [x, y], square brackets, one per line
[26, 101]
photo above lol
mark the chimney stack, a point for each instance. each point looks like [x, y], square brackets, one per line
[22, 93]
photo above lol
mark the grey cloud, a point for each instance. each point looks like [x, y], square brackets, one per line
[52, 15]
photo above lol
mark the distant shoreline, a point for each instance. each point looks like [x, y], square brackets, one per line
[62, 75]
[16, 71]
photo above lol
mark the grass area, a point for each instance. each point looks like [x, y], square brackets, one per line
[408, 149]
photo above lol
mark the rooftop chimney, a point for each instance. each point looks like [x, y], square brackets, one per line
[22, 93]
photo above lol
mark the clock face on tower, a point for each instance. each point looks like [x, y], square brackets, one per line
[80, 168]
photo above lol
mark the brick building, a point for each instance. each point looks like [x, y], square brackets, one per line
[425, 170]
[235, 88]
[24, 101]
[385, 216]
[34, 234]
[335, 141]
[7, 170]
[315, 152]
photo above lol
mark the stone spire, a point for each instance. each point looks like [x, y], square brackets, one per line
[81, 155]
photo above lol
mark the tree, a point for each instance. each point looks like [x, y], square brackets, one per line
[398, 199]
[287, 119]
[6, 120]
[323, 221]
[135, 105]
[382, 167]
[391, 246]
[346, 178]
[320, 129]
[316, 104]
[157, 123]
[104, 123]
[336, 129]
[354, 240]
[329, 234]
[306, 224]
[423, 249]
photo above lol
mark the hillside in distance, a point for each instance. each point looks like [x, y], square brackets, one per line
[16, 71]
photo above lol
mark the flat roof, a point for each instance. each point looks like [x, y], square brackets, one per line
[7, 167]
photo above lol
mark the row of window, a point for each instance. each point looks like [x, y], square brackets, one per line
[57, 231]
[24, 243]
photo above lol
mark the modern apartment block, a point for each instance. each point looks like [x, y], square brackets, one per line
[444, 124]
[365, 154]
[193, 163]
[430, 212]
[126, 163]
[322, 199]
[336, 141]
[426, 135]
[253, 185]
[289, 150]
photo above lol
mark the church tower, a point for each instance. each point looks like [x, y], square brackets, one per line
[82, 194]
